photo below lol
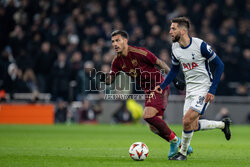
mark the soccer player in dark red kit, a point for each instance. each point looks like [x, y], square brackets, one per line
[140, 63]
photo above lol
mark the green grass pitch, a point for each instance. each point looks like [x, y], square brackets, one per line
[107, 146]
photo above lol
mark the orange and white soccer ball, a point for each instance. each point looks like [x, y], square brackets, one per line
[138, 151]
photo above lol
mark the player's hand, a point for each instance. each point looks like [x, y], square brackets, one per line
[209, 97]
[158, 89]
[179, 84]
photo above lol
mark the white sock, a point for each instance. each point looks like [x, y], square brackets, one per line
[207, 124]
[185, 142]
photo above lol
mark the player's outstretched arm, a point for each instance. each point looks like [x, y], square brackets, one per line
[107, 78]
[170, 77]
[178, 83]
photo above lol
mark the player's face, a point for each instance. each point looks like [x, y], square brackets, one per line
[175, 32]
[119, 43]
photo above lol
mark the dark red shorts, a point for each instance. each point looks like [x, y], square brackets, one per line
[158, 101]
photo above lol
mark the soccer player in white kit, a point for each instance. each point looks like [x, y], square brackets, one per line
[193, 55]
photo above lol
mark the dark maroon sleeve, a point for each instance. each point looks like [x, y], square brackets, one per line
[150, 58]
[115, 68]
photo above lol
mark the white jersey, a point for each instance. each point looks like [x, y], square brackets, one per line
[194, 61]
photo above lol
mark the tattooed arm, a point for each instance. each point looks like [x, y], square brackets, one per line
[162, 65]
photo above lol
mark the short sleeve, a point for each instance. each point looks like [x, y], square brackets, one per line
[207, 51]
[150, 58]
[114, 67]
[174, 60]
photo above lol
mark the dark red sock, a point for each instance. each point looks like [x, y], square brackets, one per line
[164, 131]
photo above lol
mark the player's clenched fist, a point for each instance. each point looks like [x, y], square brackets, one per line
[158, 89]
[209, 97]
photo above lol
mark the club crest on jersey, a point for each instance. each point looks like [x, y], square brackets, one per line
[134, 62]
[133, 73]
[189, 66]
[123, 66]
[193, 56]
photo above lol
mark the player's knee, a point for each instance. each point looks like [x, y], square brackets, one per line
[186, 122]
[148, 113]
[196, 126]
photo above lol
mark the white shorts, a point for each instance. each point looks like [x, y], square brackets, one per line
[196, 103]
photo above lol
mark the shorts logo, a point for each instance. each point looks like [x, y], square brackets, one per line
[134, 62]
[201, 99]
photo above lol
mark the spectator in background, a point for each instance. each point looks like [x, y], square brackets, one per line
[29, 79]
[88, 112]
[245, 65]
[122, 114]
[223, 88]
[129, 112]
[106, 89]
[241, 89]
[4, 76]
[60, 77]
[223, 113]
[10, 75]
[76, 64]
[85, 80]
[18, 40]
[61, 112]
[248, 117]
[43, 65]
[164, 56]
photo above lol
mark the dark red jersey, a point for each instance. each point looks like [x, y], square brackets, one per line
[139, 63]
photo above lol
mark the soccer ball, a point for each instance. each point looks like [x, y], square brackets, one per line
[138, 151]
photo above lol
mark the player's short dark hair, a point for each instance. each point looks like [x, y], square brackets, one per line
[182, 21]
[120, 32]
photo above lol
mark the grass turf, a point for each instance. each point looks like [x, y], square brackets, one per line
[107, 146]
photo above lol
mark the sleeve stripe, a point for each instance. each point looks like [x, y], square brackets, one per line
[212, 57]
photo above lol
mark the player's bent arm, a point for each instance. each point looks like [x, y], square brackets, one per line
[162, 65]
[219, 68]
[171, 76]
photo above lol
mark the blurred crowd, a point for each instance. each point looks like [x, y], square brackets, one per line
[50, 46]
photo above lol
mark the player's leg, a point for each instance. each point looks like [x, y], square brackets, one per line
[154, 130]
[205, 124]
[155, 105]
[160, 127]
[224, 125]
[189, 118]
[157, 124]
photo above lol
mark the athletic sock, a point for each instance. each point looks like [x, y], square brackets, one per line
[174, 139]
[186, 139]
[164, 131]
[207, 124]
